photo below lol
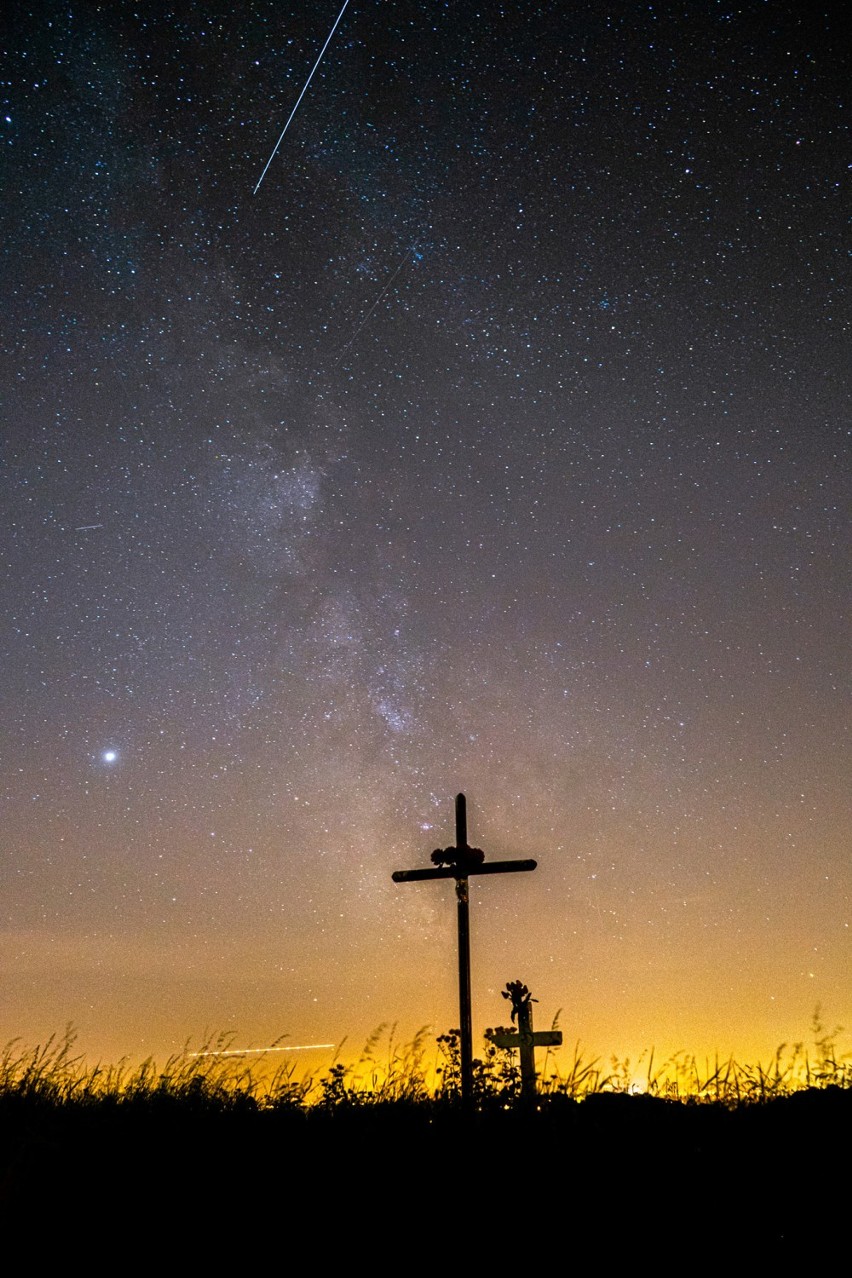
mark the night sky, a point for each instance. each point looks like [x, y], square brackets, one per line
[496, 444]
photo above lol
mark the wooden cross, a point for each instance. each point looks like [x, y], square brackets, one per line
[523, 1038]
[458, 863]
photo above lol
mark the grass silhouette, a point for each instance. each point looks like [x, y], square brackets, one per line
[389, 1072]
[254, 1146]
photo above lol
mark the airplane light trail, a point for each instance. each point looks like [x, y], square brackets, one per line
[301, 95]
[257, 1051]
[409, 253]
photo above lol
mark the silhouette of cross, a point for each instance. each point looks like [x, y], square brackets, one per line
[524, 1038]
[458, 863]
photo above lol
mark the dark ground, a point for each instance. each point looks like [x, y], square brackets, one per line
[613, 1177]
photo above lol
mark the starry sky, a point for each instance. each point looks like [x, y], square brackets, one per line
[496, 444]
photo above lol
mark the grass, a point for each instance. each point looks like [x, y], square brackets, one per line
[207, 1144]
[389, 1072]
[54, 1073]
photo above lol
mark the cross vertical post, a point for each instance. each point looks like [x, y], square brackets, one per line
[527, 1050]
[465, 1009]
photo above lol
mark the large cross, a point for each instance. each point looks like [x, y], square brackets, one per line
[458, 863]
[524, 1038]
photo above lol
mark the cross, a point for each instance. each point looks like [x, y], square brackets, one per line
[458, 863]
[523, 1037]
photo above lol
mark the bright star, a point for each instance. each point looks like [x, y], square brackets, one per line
[109, 756]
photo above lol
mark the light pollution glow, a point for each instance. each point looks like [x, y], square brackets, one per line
[559, 523]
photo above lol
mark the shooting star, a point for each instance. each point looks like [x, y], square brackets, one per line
[87, 527]
[301, 95]
[409, 253]
[259, 1051]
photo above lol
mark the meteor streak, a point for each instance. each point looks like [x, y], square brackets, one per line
[256, 1051]
[301, 95]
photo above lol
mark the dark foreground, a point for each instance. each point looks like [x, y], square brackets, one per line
[426, 1187]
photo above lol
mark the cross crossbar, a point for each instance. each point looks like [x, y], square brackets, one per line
[455, 872]
[517, 1038]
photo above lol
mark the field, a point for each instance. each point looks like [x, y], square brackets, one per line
[729, 1160]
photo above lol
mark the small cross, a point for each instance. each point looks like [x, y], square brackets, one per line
[523, 1038]
[457, 863]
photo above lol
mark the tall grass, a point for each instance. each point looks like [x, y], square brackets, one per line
[56, 1073]
[388, 1071]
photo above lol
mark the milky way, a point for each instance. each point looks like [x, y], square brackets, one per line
[497, 444]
